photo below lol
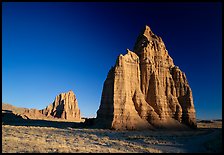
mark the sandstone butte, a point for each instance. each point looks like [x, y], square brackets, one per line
[145, 90]
[65, 106]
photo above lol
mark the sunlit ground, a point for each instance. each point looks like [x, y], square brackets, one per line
[208, 138]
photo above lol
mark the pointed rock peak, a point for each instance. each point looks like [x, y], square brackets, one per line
[121, 55]
[134, 94]
[147, 28]
[132, 54]
[128, 51]
[70, 91]
[147, 31]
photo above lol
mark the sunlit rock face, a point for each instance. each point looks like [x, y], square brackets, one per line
[146, 90]
[65, 106]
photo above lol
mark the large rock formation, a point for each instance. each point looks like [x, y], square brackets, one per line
[65, 106]
[145, 90]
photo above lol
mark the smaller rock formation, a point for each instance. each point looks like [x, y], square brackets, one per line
[65, 106]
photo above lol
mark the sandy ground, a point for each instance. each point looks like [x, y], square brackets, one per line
[18, 139]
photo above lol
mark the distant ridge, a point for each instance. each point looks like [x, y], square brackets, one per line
[64, 107]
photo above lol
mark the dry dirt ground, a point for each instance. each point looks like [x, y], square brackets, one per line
[19, 139]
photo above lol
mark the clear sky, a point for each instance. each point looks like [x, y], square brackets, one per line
[50, 48]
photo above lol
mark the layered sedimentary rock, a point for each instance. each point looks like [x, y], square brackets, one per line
[120, 92]
[33, 114]
[65, 106]
[24, 113]
[145, 89]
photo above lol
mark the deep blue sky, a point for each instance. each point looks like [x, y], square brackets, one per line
[50, 48]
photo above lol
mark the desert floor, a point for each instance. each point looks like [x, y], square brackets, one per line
[16, 138]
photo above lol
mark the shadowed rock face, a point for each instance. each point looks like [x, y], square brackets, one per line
[65, 106]
[145, 90]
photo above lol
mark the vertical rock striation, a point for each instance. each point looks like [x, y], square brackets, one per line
[65, 106]
[145, 89]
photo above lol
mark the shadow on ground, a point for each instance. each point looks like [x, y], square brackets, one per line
[9, 118]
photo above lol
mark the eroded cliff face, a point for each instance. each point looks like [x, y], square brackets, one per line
[146, 90]
[65, 106]
[120, 93]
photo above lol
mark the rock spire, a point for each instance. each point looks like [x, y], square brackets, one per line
[146, 90]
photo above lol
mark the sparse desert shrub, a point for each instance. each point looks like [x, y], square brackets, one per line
[19, 139]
